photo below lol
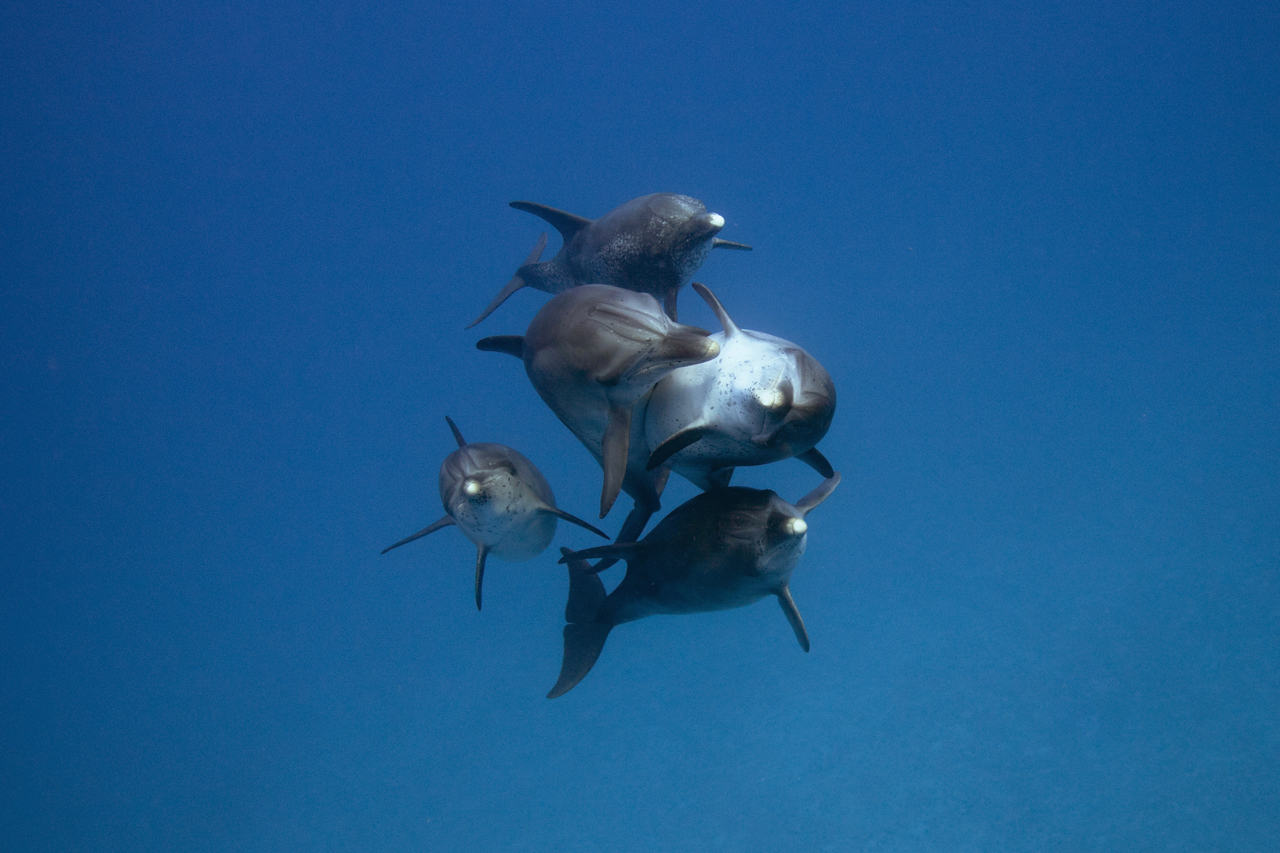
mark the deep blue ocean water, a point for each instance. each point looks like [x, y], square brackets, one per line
[1037, 248]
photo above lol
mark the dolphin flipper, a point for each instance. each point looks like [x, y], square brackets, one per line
[818, 495]
[482, 552]
[717, 243]
[673, 445]
[515, 284]
[815, 460]
[510, 344]
[430, 528]
[793, 616]
[572, 519]
[613, 456]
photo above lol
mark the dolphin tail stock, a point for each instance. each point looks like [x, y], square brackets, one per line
[584, 637]
[517, 282]
[430, 528]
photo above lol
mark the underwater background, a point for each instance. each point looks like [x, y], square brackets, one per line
[1036, 246]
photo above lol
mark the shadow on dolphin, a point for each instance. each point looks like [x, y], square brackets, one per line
[500, 500]
[722, 549]
[762, 399]
[652, 244]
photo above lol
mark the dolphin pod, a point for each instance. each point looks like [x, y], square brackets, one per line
[647, 395]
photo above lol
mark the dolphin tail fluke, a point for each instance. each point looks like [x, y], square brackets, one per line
[568, 224]
[517, 282]
[583, 642]
[586, 590]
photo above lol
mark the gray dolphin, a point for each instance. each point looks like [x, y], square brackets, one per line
[652, 244]
[500, 500]
[760, 400]
[722, 549]
[593, 353]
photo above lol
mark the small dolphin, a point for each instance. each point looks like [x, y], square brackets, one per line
[500, 500]
[652, 244]
[761, 400]
[722, 549]
[593, 353]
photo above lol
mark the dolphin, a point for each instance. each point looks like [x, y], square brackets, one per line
[500, 500]
[593, 353]
[722, 549]
[652, 244]
[761, 400]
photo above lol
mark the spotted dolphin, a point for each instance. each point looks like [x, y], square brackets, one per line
[722, 549]
[652, 244]
[500, 500]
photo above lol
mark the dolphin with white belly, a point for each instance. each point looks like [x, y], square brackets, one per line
[652, 244]
[593, 353]
[500, 500]
[722, 549]
[760, 400]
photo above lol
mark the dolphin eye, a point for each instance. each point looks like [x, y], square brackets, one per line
[795, 526]
[472, 488]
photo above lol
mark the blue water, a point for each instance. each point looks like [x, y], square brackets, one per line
[1038, 250]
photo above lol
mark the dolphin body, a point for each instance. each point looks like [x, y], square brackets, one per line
[760, 400]
[593, 353]
[500, 500]
[722, 549]
[652, 244]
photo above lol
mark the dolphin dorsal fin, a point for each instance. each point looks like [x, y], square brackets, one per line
[457, 434]
[568, 224]
[730, 327]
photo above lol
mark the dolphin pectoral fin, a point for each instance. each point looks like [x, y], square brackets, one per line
[586, 590]
[669, 304]
[613, 456]
[482, 552]
[572, 519]
[583, 642]
[793, 616]
[818, 495]
[457, 433]
[616, 551]
[510, 344]
[717, 243]
[815, 460]
[431, 528]
[568, 224]
[673, 445]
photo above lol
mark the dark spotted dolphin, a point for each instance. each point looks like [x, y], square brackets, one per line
[652, 244]
[722, 549]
